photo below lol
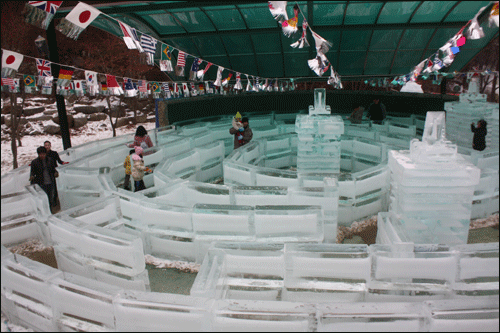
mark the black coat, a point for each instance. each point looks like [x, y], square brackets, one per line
[37, 170]
[479, 139]
[55, 156]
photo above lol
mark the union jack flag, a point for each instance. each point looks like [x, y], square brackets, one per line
[43, 67]
[48, 6]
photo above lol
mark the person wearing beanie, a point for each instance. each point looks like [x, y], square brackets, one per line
[138, 169]
[237, 121]
[242, 135]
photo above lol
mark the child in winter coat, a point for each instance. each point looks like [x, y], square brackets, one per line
[138, 169]
[128, 170]
[238, 125]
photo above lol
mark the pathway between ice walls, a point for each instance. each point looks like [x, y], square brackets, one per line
[105, 285]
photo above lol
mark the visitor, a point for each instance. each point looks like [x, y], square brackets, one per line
[141, 139]
[377, 111]
[53, 154]
[237, 121]
[356, 115]
[243, 135]
[138, 169]
[43, 172]
[128, 170]
[479, 139]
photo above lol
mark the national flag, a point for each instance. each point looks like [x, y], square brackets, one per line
[143, 87]
[427, 66]
[15, 88]
[278, 9]
[46, 83]
[166, 59]
[148, 44]
[201, 89]
[47, 6]
[226, 80]
[10, 62]
[77, 20]
[493, 19]
[185, 89]
[6, 81]
[128, 86]
[129, 37]
[194, 68]
[104, 89]
[218, 80]
[166, 90]
[181, 59]
[256, 85]
[43, 67]
[29, 84]
[78, 86]
[194, 91]
[237, 85]
[289, 27]
[201, 73]
[65, 74]
[320, 64]
[322, 45]
[303, 39]
[40, 13]
[155, 87]
[113, 86]
[91, 78]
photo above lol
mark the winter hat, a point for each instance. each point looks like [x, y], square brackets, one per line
[138, 150]
[238, 115]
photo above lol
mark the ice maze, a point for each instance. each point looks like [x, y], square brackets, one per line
[266, 237]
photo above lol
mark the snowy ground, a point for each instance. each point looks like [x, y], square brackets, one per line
[92, 131]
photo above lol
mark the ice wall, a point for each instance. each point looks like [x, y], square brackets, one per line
[432, 187]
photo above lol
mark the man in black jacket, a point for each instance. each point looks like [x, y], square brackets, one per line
[43, 172]
[53, 154]
[479, 138]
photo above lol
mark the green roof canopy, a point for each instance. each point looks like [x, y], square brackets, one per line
[368, 37]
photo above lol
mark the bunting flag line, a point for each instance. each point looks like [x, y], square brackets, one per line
[78, 87]
[148, 44]
[43, 67]
[278, 9]
[255, 84]
[166, 90]
[320, 64]
[322, 45]
[201, 89]
[218, 80]
[143, 88]
[10, 62]
[303, 39]
[113, 86]
[181, 63]
[475, 31]
[29, 84]
[237, 85]
[493, 19]
[194, 69]
[249, 84]
[92, 84]
[130, 37]
[194, 91]
[40, 13]
[166, 59]
[77, 20]
[226, 80]
[65, 74]
[289, 27]
[201, 73]
[129, 88]
[46, 83]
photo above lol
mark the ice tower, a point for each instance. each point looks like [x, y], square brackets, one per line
[432, 188]
[319, 134]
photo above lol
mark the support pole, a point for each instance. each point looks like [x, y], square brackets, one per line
[61, 106]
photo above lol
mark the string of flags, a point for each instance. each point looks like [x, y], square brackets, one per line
[318, 65]
[83, 15]
[444, 56]
[65, 83]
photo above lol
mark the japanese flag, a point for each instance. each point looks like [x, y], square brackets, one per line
[11, 59]
[82, 15]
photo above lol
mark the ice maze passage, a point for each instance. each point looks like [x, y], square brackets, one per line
[265, 237]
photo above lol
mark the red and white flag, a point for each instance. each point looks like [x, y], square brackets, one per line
[129, 37]
[113, 85]
[201, 73]
[10, 62]
[181, 59]
[77, 20]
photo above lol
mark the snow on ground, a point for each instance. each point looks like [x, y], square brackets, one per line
[92, 131]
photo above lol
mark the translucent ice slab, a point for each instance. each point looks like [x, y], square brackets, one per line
[326, 272]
